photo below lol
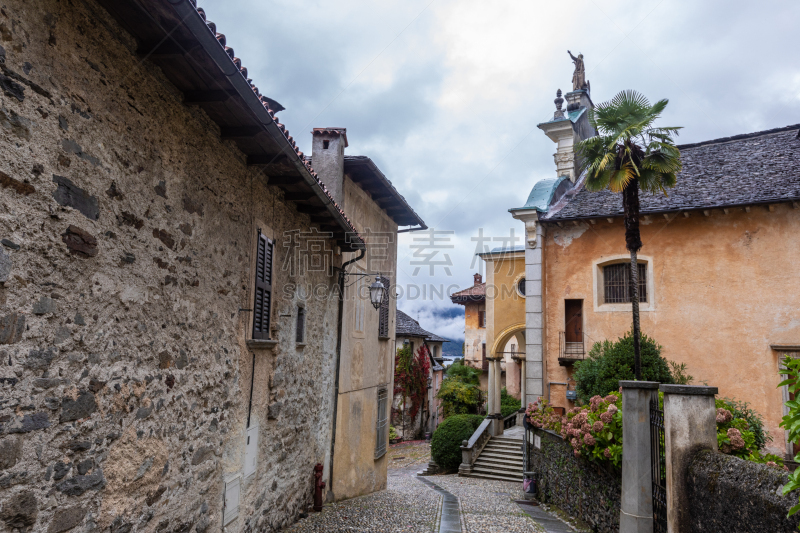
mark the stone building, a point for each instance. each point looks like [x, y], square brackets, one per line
[169, 299]
[365, 367]
[718, 268]
[409, 333]
[474, 301]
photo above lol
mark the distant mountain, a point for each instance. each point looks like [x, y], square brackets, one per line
[452, 349]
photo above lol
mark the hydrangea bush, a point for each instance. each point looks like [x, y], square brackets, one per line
[595, 431]
[737, 436]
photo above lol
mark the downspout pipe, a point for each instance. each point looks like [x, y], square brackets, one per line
[339, 333]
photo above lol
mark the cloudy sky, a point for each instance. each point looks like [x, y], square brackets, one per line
[445, 95]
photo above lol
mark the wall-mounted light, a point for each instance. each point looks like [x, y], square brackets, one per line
[376, 291]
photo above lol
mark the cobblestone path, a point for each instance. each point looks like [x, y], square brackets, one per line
[410, 506]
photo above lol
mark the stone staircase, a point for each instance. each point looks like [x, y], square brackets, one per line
[501, 460]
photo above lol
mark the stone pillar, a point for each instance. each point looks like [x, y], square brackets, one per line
[690, 425]
[534, 318]
[636, 514]
[524, 405]
[498, 385]
[512, 378]
[490, 390]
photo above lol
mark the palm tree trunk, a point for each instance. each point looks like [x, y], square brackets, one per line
[633, 242]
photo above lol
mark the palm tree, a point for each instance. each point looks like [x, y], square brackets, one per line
[629, 154]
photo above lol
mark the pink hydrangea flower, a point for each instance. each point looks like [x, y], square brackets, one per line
[736, 439]
[577, 453]
[589, 440]
[607, 453]
[586, 428]
[723, 416]
[612, 409]
[607, 417]
[611, 398]
[598, 426]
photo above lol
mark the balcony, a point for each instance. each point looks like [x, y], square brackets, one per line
[570, 351]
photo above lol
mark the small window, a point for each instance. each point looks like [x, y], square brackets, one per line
[381, 424]
[521, 287]
[325, 144]
[301, 325]
[481, 319]
[617, 282]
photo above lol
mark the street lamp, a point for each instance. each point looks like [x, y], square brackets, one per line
[376, 291]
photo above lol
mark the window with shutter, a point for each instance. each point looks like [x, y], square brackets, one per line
[263, 296]
[382, 421]
[383, 324]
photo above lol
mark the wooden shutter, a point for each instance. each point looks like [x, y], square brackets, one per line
[382, 420]
[383, 321]
[263, 297]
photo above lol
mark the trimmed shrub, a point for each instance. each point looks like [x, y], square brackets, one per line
[610, 362]
[447, 439]
[508, 404]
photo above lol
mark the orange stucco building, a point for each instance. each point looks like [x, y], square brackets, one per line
[719, 272]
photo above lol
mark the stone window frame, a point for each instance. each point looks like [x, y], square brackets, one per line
[517, 281]
[598, 284]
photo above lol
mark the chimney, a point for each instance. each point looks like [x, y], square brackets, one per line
[478, 279]
[327, 158]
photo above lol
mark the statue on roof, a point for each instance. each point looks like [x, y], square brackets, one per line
[579, 76]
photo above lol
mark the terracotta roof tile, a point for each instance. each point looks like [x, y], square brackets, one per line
[476, 293]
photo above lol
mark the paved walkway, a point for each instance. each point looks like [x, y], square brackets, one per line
[432, 504]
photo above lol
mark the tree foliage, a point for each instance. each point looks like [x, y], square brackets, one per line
[610, 362]
[460, 392]
[411, 376]
[629, 154]
[791, 422]
[447, 439]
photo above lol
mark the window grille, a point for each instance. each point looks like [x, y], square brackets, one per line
[383, 323]
[262, 300]
[301, 325]
[617, 282]
[381, 424]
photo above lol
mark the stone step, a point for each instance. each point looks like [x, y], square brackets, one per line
[499, 461]
[507, 440]
[501, 455]
[496, 472]
[502, 451]
[506, 469]
[510, 446]
[495, 477]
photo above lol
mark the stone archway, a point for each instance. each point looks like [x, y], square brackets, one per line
[512, 363]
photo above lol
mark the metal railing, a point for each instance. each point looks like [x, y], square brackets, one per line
[570, 351]
[510, 421]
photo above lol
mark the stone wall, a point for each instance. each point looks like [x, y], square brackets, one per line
[577, 486]
[126, 280]
[726, 493]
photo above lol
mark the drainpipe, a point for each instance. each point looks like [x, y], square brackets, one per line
[339, 333]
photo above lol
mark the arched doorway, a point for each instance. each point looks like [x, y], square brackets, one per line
[510, 346]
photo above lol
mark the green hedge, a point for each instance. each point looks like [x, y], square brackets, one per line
[508, 404]
[446, 440]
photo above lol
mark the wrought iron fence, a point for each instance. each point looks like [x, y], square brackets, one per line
[658, 460]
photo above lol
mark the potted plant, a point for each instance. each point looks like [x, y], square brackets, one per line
[394, 438]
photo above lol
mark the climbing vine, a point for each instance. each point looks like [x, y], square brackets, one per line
[411, 376]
